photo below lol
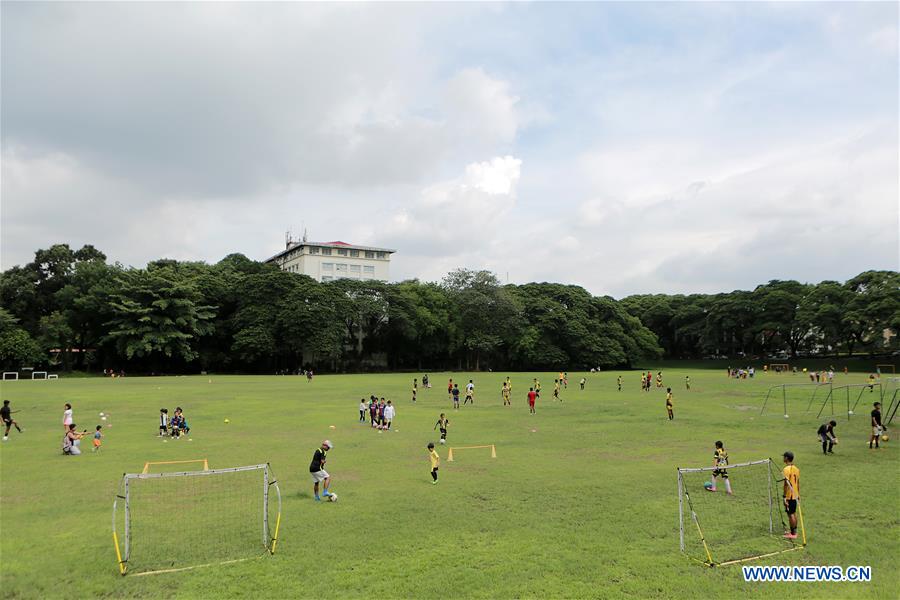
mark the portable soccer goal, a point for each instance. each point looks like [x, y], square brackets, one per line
[40, 375]
[795, 397]
[10, 375]
[168, 522]
[458, 448]
[716, 529]
[884, 369]
[52, 376]
[164, 465]
[847, 391]
[779, 368]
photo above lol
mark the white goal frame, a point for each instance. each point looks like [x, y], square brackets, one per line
[5, 373]
[44, 373]
[683, 493]
[268, 480]
[52, 376]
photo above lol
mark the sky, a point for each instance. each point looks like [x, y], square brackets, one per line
[624, 147]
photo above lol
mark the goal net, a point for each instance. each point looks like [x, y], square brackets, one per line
[718, 529]
[164, 522]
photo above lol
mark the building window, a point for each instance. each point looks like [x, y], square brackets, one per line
[326, 251]
[382, 254]
[342, 252]
[341, 267]
[368, 269]
[354, 268]
[370, 254]
[327, 266]
[327, 278]
[354, 253]
[313, 249]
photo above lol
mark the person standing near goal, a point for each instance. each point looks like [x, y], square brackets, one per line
[720, 461]
[8, 422]
[877, 427]
[827, 437]
[791, 492]
[317, 469]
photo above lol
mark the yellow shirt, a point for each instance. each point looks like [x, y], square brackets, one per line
[669, 400]
[792, 477]
[435, 459]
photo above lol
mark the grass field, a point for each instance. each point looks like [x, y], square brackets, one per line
[580, 502]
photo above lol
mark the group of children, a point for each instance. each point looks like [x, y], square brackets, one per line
[741, 373]
[647, 381]
[176, 426]
[380, 414]
[453, 393]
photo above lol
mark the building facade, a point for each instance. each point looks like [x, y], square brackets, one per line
[327, 261]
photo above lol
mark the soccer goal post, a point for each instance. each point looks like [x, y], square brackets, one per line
[10, 375]
[883, 369]
[779, 367]
[167, 522]
[39, 375]
[718, 529]
[458, 448]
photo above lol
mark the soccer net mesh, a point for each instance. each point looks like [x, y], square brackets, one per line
[174, 521]
[717, 528]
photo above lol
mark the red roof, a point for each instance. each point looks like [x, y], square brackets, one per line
[338, 244]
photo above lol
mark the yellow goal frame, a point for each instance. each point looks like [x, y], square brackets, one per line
[450, 450]
[148, 464]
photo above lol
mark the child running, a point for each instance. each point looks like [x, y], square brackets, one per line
[435, 463]
[6, 415]
[720, 461]
[443, 422]
[97, 437]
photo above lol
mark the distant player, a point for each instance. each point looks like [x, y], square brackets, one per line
[67, 417]
[532, 396]
[687, 382]
[556, 390]
[720, 462]
[415, 389]
[435, 463]
[6, 414]
[373, 411]
[450, 389]
[669, 404]
[455, 395]
[504, 393]
[565, 380]
[381, 422]
[163, 422]
[97, 439]
[537, 388]
[470, 393]
[389, 412]
[362, 410]
[791, 492]
[872, 383]
[827, 437]
[582, 382]
[619, 382]
[659, 379]
[317, 469]
[877, 427]
[443, 422]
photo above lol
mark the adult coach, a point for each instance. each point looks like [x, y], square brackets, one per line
[317, 469]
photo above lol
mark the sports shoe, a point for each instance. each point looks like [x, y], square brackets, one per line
[326, 493]
[710, 489]
[790, 536]
[318, 499]
[434, 482]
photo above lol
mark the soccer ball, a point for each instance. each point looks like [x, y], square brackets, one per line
[102, 418]
[101, 414]
[708, 485]
[332, 498]
[227, 421]
[885, 438]
[443, 442]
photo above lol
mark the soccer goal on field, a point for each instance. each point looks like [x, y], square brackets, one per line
[884, 369]
[717, 529]
[779, 368]
[456, 449]
[166, 522]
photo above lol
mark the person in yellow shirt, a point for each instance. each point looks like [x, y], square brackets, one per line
[435, 462]
[670, 404]
[504, 393]
[791, 492]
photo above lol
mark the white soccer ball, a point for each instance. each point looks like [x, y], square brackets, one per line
[332, 498]
[102, 418]
[443, 442]
[101, 414]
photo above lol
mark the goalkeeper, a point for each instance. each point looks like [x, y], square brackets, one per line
[827, 437]
[720, 462]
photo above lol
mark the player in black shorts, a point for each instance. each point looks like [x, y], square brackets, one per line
[442, 422]
[827, 437]
[6, 415]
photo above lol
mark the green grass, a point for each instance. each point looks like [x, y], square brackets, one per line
[583, 506]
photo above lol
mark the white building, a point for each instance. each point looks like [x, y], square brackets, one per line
[326, 261]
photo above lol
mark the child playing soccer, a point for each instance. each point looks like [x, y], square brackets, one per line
[454, 393]
[556, 389]
[362, 410]
[6, 415]
[163, 422]
[442, 422]
[435, 463]
[827, 437]
[720, 461]
[504, 393]
[97, 437]
[669, 404]
[470, 393]
[619, 382]
[791, 492]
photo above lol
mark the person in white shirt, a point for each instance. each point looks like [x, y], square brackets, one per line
[389, 412]
[67, 417]
[470, 393]
[362, 410]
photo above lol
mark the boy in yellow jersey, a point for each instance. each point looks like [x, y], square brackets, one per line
[537, 388]
[669, 404]
[504, 393]
[619, 382]
[435, 462]
[720, 462]
[687, 382]
[556, 389]
[508, 384]
[659, 379]
[791, 492]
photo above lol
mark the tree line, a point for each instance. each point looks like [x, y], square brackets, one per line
[71, 309]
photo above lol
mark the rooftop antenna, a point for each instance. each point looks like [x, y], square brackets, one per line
[304, 235]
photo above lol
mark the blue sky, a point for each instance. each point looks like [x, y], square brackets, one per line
[625, 147]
